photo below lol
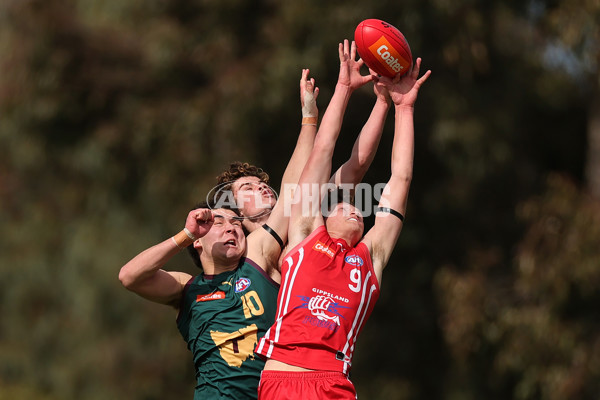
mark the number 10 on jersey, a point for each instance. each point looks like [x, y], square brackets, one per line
[251, 304]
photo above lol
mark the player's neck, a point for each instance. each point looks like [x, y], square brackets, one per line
[338, 235]
[347, 241]
[253, 224]
[216, 267]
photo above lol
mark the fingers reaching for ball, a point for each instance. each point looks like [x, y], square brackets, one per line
[350, 75]
[403, 89]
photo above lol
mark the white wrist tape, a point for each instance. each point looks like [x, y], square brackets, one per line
[309, 109]
[189, 234]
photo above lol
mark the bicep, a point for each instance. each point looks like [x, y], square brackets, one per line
[264, 249]
[382, 238]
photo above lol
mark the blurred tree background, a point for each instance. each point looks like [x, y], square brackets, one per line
[115, 117]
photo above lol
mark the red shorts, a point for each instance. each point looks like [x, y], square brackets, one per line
[311, 385]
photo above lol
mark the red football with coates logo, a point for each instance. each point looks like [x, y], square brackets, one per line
[383, 47]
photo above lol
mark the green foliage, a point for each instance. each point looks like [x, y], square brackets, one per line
[532, 329]
[115, 117]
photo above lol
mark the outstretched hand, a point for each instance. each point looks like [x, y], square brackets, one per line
[350, 67]
[404, 89]
[308, 95]
[199, 222]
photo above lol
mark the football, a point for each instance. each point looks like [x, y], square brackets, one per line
[383, 47]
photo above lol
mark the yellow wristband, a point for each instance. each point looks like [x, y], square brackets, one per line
[182, 240]
[309, 121]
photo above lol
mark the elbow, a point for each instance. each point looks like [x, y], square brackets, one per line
[127, 279]
[402, 173]
[403, 178]
[358, 160]
[363, 161]
[323, 150]
[352, 172]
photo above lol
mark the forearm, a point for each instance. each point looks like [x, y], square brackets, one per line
[365, 147]
[318, 167]
[308, 130]
[403, 145]
[331, 124]
[145, 265]
[304, 145]
[382, 238]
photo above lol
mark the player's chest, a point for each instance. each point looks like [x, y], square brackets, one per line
[235, 296]
[340, 279]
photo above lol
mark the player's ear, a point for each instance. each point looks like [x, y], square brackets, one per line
[198, 246]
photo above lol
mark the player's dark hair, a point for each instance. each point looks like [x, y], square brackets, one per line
[238, 170]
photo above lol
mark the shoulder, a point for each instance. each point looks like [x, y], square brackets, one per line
[375, 256]
[188, 282]
[250, 268]
[318, 234]
[363, 250]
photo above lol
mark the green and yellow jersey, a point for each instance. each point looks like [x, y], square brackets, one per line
[221, 318]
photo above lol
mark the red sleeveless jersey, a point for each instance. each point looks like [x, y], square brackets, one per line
[327, 294]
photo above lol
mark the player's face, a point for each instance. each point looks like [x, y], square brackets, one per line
[346, 222]
[253, 196]
[225, 240]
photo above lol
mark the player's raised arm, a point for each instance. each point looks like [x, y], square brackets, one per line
[382, 238]
[305, 210]
[365, 146]
[266, 243]
[368, 34]
[144, 275]
[310, 115]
